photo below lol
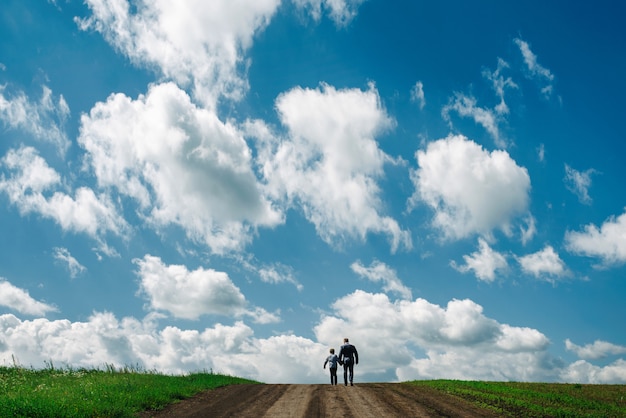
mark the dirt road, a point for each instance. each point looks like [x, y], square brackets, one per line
[367, 400]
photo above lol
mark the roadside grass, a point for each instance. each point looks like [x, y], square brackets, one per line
[68, 392]
[515, 399]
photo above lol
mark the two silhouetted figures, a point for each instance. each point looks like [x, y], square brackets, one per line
[348, 357]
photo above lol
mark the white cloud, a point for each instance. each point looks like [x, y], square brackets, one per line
[330, 162]
[19, 300]
[194, 42]
[342, 12]
[279, 273]
[597, 350]
[381, 272]
[484, 262]
[528, 232]
[410, 339]
[471, 190]
[458, 340]
[31, 188]
[545, 263]
[607, 243]
[417, 94]
[579, 182]
[105, 340]
[536, 70]
[44, 120]
[180, 163]
[541, 152]
[585, 372]
[500, 84]
[190, 294]
[74, 267]
[466, 106]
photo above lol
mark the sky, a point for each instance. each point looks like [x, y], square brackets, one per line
[237, 185]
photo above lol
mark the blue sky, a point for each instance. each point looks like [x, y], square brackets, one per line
[239, 185]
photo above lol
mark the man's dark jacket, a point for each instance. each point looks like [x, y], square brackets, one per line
[348, 354]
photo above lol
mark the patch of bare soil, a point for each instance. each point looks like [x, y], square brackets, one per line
[366, 400]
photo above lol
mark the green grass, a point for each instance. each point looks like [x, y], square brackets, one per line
[514, 399]
[70, 392]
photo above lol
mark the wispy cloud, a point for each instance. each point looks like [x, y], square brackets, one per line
[579, 182]
[340, 11]
[500, 83]
[417, 94]
[43, 120]
[64, 256]
[536, 71]
[381, 272]
[467, 106]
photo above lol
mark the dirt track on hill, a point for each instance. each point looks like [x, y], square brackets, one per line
[366, 400]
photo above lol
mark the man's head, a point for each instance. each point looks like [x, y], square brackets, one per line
[332, 351]
[345, 340]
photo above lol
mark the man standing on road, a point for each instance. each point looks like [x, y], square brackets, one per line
[348, 356]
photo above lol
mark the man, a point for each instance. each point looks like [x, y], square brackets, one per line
[348, 356]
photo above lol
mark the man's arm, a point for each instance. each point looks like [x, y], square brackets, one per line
[356, 356]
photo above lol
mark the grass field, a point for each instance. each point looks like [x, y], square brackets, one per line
[52, 393]
[514, 399]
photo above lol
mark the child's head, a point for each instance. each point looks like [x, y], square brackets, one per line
[332, 351]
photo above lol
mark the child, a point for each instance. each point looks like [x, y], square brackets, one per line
[332, 365]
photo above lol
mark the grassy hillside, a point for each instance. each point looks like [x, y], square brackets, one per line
[514, 399]
[68, 392]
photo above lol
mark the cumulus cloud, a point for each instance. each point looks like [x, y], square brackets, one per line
[471, 190]
[458, 340]
[195, 43]
[579, 182]
[180, 164]
[401, 340]
[329, 162]
[484, 262]
[598, 350]
[20, 301]
[106, 340]
[190, 294]
[31, 186]
[536, 70]
[585, 372]
[342, 12]
[43, 120]
[63, 255]
[544, 264]
[381, 272]
[608, 243]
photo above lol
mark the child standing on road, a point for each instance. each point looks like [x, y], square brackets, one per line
[332, 366]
